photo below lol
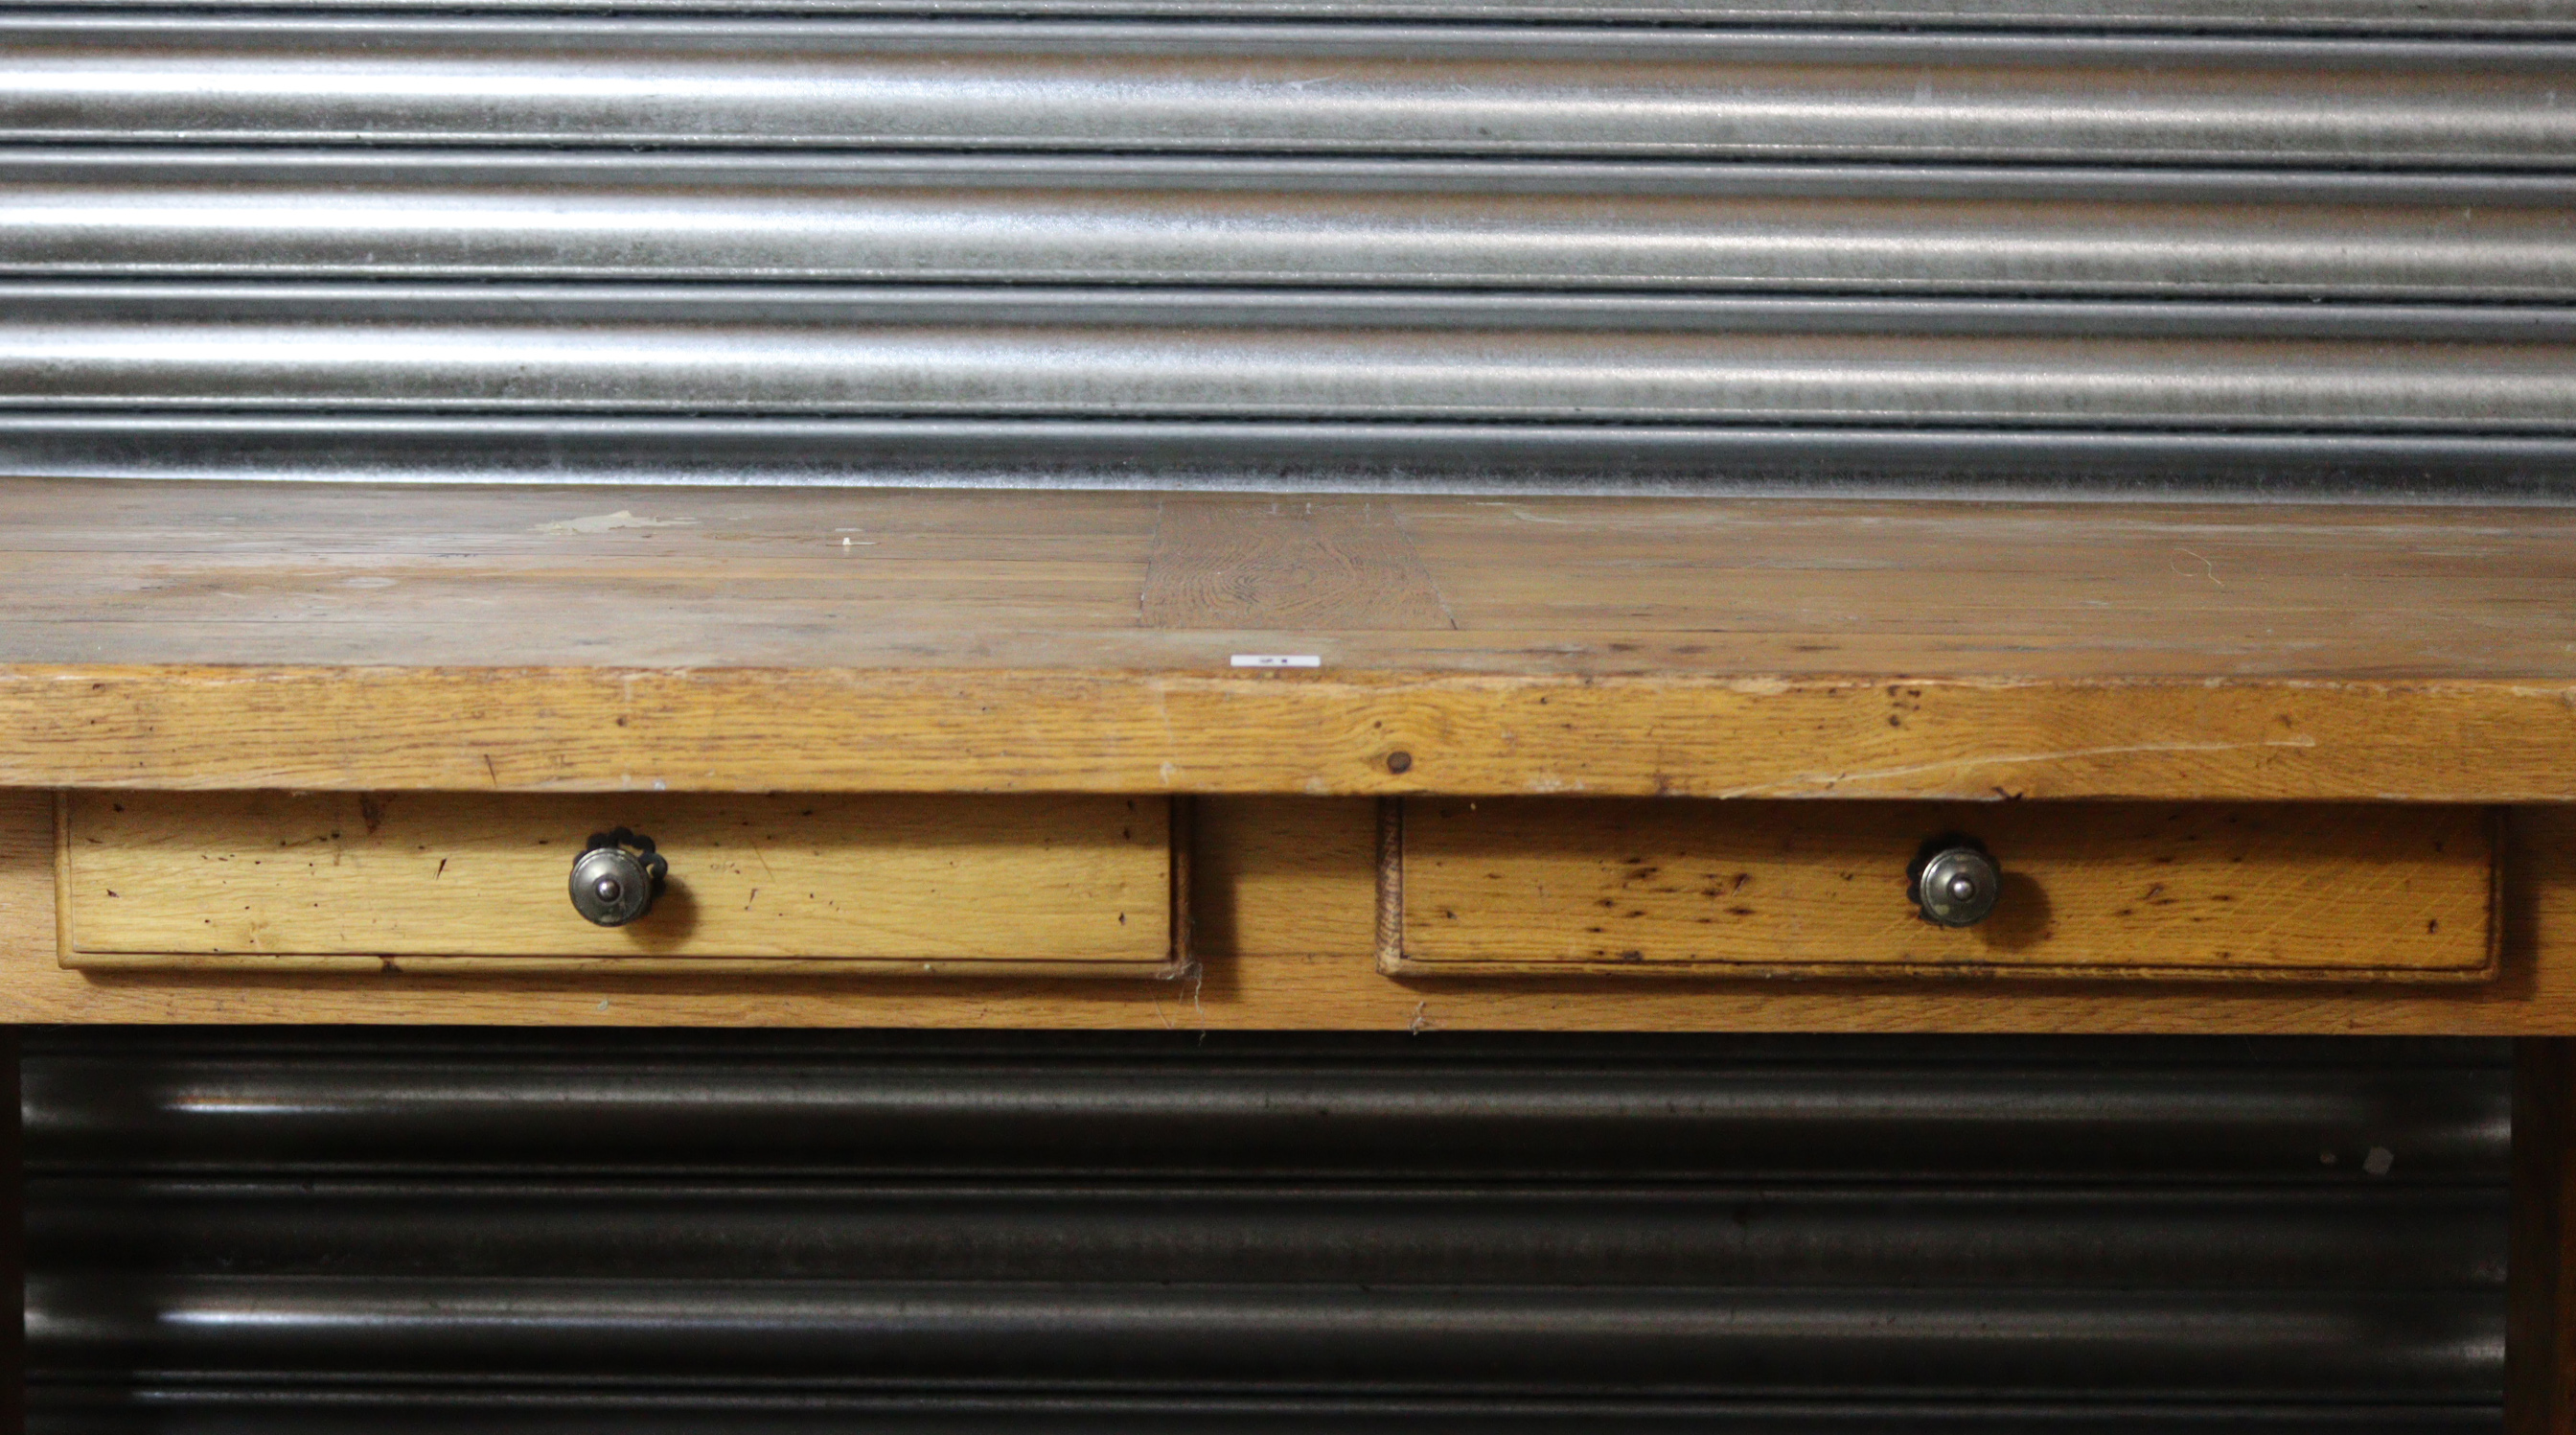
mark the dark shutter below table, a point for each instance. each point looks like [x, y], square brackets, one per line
[531, 1231]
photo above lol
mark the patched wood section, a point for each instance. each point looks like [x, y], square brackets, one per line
[1286, 564]
[1048, 883]
[2200, 891]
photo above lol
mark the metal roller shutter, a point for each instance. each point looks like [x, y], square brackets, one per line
[531, 1232]
[2107, 246]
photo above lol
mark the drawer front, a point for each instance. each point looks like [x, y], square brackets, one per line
[2317, 892]
[1059, 884]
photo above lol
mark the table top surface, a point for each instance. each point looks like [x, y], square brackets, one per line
[295, 574]
[524, 638]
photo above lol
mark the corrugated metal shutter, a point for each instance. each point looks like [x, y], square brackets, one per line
[1714, 244]
[773, 1232]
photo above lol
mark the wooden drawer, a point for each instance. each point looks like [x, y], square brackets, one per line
[437, 881]
[2201, 892]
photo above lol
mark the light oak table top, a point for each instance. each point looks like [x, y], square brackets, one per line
[286, 635]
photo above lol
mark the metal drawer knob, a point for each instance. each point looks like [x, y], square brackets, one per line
[615, 878]
[1956, 883]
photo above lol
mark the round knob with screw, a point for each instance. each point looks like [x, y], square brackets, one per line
[616, 877]
[1956, 883]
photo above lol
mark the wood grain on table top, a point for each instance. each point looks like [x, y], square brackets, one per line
[192, 634]
[294, 574]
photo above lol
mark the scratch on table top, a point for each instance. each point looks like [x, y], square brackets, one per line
[2208, 569]
[1521, 513]
[2003, 759]
[609, 522]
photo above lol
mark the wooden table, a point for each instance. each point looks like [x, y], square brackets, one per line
[592, 640]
